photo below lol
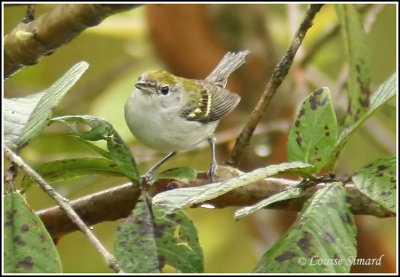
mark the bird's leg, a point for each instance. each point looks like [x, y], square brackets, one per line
[146, 178]
[213, 165]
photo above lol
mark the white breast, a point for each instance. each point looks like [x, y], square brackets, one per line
[163, 129]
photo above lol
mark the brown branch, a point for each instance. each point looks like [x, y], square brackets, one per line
[278, 76]
[118, 202]
[27, 43]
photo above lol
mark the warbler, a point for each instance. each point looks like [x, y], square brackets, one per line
[170, 113]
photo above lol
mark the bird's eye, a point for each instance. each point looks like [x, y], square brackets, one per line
[164, 90]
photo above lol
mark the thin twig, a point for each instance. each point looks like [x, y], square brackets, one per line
[118, 202]
[63, 203]
[278, 76]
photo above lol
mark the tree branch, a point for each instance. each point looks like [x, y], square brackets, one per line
[278, 76]
[65, 206]
[118, 202]
[27, 43]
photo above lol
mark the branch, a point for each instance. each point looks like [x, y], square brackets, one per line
[118, 202]
[27, 43]
[65, 206]
[278, 76]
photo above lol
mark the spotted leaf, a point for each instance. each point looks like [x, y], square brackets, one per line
[314, 132]
[28, 247]
[377, 180]
[322, 239]
[355, 41]
[145, 243]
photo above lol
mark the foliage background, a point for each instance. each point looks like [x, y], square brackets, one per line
[189, 40]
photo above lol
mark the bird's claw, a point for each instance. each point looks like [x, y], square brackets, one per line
[145, 179]
[212, 172]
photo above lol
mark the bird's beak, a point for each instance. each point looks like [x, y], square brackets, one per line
[144, 87]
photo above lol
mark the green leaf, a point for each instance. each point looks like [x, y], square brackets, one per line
[356, 47]
[145, 244]
[313, 135]
[28, 247]
[175, 199]
[179, 243]
[62, 170]
[324, 232]
[377, 180]
[25, 118]
[183, 174]
[95, 148]
[291, 193]
[383, 94]
[134, 242]
[102, 130]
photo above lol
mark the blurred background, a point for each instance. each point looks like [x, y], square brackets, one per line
[189, 40]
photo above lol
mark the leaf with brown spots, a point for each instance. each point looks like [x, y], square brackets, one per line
[28, 247]
[318, 233]
[313, 135]
[377, 180]
[145, 243]
[383, 94]
[356, 48]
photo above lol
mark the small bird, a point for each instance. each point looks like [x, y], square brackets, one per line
[171, 114]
